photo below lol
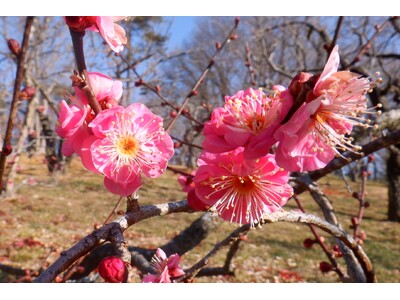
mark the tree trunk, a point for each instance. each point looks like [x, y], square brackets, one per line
[393, 176]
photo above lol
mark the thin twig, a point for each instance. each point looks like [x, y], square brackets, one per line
[14, 102]
[203, 75]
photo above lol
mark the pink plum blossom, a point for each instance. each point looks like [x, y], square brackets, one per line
[241, 190]
[166, 268]
[318, 129]
[248, 119]
[112, 33]
[71, 118]
[106, 90]
[126, 143]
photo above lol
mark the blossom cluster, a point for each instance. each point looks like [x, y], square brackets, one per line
[250, 144]
[254, 141]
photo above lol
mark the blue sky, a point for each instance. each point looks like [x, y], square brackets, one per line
[180, 28]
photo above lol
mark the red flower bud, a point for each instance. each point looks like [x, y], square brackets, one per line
[371, 158]
[367, 204]
[354, 221]
[27, 93]
[218, 46]
[7, 149]
[234, 37]
[185, 111]
[80, 23]
[336, 251]
[237, 20]
[325, 267]
[177, 145]
[308, 243]
[158, 88]
[112, 269]
[14, 47]
[355, 195]
[193, 93]
[173, 114]
[138, 83]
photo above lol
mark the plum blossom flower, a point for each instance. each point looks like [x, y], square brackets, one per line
[112, 33]
[112, 269]
[106, 90]
[166, 268]
[241, 190]
[125, 143]
[318, 129]
[73, 119]
[248, 119]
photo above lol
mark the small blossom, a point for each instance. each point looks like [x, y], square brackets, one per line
[112, 33]
[241, 190]
[318, 129]
[112, 269]
[248, 119]
[166, 268]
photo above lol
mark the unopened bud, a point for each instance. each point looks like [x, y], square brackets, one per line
[218, 46]
[308, 243]
[7, 149]
[234, 37]
[193, 93]
[354, 221]
[173, 114]
[27, 93]
[367, 204]
[158, 88]
[112, 269]
[177, 145]
[371, 158]
[237, 20]
[325, 267]
[356, 195]
[14, 47]
[138, 83]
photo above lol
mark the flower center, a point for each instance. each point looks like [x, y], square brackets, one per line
[244, 185]
[127, 145]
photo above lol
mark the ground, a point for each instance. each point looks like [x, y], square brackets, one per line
[43, 219]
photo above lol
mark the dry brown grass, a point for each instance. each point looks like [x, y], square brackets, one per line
[60, 210]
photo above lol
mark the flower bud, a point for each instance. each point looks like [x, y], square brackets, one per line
[27, 93]
[308, 243]
[79, 23]
[7, 149]
[177, 145]
[193, 93]
[112, 269]
[354, 221]
[371, 158]
[367, 204]
[234, 37]
[14, 47]
[325, 267]
[173, 114]
[356, 195]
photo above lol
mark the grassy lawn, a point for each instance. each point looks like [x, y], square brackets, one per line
[41, 220]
